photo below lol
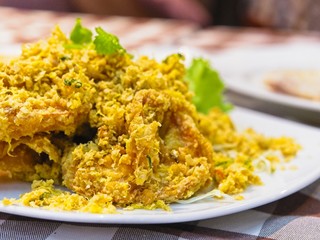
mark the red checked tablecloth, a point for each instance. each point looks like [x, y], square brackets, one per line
[294, 217]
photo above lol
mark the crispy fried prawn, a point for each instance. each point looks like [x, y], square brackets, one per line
[157, 153]
[148, 146]
[40, 92]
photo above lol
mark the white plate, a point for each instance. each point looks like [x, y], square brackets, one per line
[276, 186]
[244, 70]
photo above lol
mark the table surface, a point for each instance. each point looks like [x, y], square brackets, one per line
[294, 217]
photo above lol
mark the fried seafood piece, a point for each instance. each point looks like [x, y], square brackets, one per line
[42, 91]
[30, 159]
[25, 113]
[155, 153]
[144, 73]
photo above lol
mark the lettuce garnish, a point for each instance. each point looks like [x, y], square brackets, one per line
[79, 34]
[104, 42]
[207, 86]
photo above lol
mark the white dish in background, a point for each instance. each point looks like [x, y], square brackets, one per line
[10, 50]
[244, 70]
[276, 186]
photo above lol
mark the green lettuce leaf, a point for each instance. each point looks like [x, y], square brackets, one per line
[207, 86]
[80, 35]
[106, 43]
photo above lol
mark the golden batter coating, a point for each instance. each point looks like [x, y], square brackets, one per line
[41, 92]
[148, 147]
[30, 159]
[117, 131]
[157, 154]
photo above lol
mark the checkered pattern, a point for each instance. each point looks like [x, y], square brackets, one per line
[294, 217]
[136, 32]
[23, 26]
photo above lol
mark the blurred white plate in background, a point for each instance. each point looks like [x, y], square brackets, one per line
[244, 70]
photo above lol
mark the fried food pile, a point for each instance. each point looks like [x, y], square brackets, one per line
[116, 131]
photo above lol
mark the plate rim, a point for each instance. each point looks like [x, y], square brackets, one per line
[272, 97]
